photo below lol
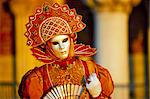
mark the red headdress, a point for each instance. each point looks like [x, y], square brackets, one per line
[49, 21]
[52, 20]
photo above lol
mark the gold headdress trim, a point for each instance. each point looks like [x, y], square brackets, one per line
[52, 20]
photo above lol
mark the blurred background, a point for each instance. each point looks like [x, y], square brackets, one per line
[119, 29]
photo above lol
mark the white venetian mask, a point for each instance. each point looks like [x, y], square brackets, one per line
[60, 45]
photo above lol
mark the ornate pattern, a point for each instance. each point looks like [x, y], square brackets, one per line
[53, 26]
[72, 75]
[51, 20]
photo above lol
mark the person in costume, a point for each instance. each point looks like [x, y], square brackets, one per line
[68, 72]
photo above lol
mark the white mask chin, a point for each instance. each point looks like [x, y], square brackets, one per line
[60, 45]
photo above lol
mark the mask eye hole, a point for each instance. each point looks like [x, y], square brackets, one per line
[55, 43]
[65, 40]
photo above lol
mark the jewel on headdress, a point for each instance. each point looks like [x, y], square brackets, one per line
[64, 8]
[56, 5]
[28, 25]
[38, 10]
[72, 12]
[26, 34]
[31, 18]
[78, 17]
[80, 25]
[29, 42]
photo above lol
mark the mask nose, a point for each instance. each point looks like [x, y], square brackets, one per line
[61, 45]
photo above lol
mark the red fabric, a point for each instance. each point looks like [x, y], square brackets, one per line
[35, 83]
[106, 82]
[87, 74]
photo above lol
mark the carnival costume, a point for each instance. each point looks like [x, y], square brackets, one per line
[75, 77]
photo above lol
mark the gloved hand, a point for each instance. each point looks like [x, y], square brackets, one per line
[94, 85]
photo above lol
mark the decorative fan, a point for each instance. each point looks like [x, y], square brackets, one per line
[67, 91]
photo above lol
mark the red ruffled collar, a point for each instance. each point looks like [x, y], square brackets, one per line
[79, 50]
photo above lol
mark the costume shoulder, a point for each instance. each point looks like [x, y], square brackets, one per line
[106, 80]
[88, 63]
[31, 84]
[86, 58]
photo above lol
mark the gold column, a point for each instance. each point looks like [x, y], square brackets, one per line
[149, 55]
[22, 10]
[111, 18]
[139, 68]
[6, 55]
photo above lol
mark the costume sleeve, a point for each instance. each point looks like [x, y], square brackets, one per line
[103, 76]
[106, 82]
[31, 85]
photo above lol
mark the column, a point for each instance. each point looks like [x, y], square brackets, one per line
[22, 10]
[149, 56]
[7, 79]
[111, 40]
[112, 44]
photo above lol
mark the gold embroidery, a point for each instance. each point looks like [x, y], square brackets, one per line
[73, 75]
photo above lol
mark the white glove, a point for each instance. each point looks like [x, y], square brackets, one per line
[94, 87]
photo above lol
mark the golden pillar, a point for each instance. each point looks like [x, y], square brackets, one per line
[149, 54]
[22, 10]
[6, 55]
[111, 18]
